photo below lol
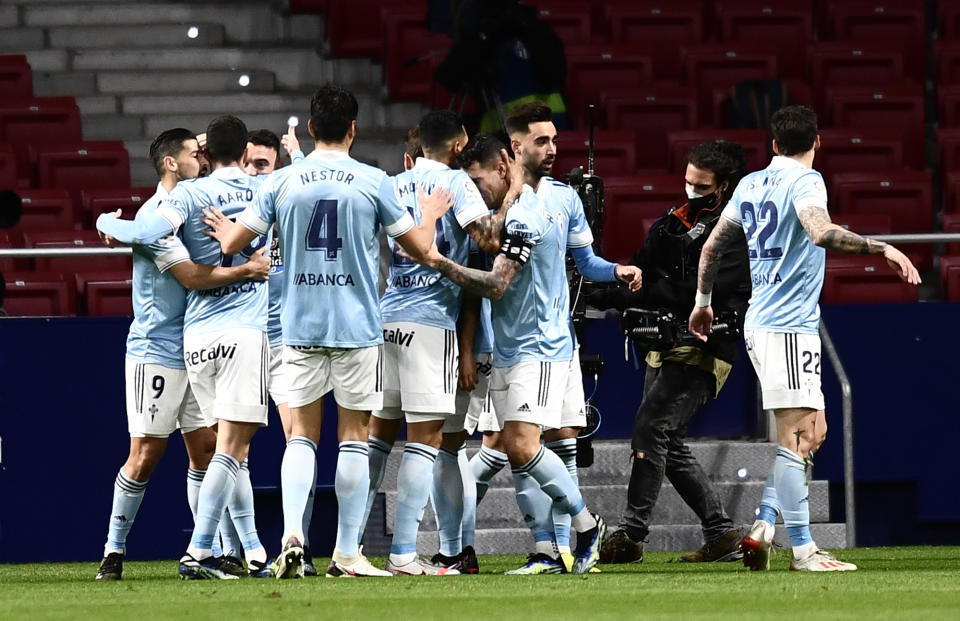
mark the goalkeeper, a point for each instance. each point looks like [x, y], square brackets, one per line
[681, 379]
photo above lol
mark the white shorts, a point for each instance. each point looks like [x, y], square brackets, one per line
[354, 375]
[419, 372]
[277, 384]
[474, 408]
[574, 412]
[159, 401]
[229, 373]
[530, 392]
[788, 366]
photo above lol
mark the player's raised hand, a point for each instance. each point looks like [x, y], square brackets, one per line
[435, 204]
[467, 372]
[701, 322]
[630, 274]
[289, 140]
[258, 265]
[514, 172]
[108, 241]
[219, 224]
[900, 264]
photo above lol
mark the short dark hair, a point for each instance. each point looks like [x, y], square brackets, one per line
[439, 127]
[169, 142]
[533, 112]
[264, 138]
[483, 149]
[725, 159]
[411, 142]
[332, 110]
[794, 128]
[226, 139]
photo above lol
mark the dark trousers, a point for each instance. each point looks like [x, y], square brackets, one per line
[671, 396]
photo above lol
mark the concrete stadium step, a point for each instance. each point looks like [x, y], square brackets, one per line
[192, 82]
[499, 507]
[211, 105]
[9, 17]
[48, 60]
[17, 40]
[135, 36]
[75, 83]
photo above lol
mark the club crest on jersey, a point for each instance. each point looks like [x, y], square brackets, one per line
[398, 337]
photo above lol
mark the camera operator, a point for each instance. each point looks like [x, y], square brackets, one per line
[682, 377]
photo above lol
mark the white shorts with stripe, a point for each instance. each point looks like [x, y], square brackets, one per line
[530, 392]
[229, 373]
[475, 406]
[277, 383]
[354, 375]
[574, 413]
[419, 372]
[159, 401]
[788, 367]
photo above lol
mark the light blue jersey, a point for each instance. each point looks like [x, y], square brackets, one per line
[785, 265]
[417, 293]
[559, 198]
[159, 301]
[242, 304]
[329, 208]
[275, 287]
[531, 320]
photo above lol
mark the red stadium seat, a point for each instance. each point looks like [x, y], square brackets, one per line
[73, 239]
[786, 23]
[838, 63]
[799, 94]
[710, 66]
[309, 6]
[37, 121]
[651, 112]
[615, 152]
[950, 278]
[948, 105]
[664, 26]
[754, 142]
[568, 19]
[951, 224]
[82, 165]
[408, 48]
[128, 200]
[948, 152]
[34, 294]
[859, 149]
[46, 210]
[946, 55]
[8, 167]
[896, 23]
[356, 28]
[593, 69]
[948, 14]
[106, 293]
[892, 105]
[864, 280]
[951, 194]
[628, 202]
[9, 240]
[16, 78]
[864, 223]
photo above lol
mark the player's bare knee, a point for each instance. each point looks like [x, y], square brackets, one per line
[144, 456]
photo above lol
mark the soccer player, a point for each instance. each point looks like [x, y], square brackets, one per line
[782, 210]
[225, 338]
[532, 344]
[329, 209]
[159, 398]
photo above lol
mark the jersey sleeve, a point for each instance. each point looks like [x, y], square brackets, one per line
[468, 204]
[579, 234]
[167, 252]
[133, 232]
[396, 220]
[732, 210]
[260, 216]
[809, 191]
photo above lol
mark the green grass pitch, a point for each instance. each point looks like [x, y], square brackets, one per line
[893, 583]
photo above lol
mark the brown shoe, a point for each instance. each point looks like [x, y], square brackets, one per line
[720, 550]
[618, 547]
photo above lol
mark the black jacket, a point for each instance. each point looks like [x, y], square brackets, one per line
[670, 259]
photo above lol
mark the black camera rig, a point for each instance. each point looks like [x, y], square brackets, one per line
[663, 329]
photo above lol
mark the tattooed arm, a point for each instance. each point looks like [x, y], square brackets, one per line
[492, 284]
[824, 233]
[701, 318]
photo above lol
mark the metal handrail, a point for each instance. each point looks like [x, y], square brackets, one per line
[847, 394]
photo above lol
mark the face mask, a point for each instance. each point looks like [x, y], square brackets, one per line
[697, 202]
[691, 193]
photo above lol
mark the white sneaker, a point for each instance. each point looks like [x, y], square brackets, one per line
[756, 546]
[353, 567]
[821, 560]
[420, 567]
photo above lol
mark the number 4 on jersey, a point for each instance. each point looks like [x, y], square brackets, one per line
[322, 234]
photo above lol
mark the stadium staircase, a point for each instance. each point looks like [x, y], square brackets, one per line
[135, 71]
[738, 470]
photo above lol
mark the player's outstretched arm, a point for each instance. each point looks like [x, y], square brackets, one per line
[599, 269]
[701, 318]
[200, 276]
[824, 233]
[233, 236]
[144, 231]
[492, 284]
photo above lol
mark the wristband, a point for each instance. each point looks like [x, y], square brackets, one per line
[703, 299]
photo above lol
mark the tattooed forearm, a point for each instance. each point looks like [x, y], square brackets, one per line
[725, 232]
[488, 284]
[824, 233]
[487, 231]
